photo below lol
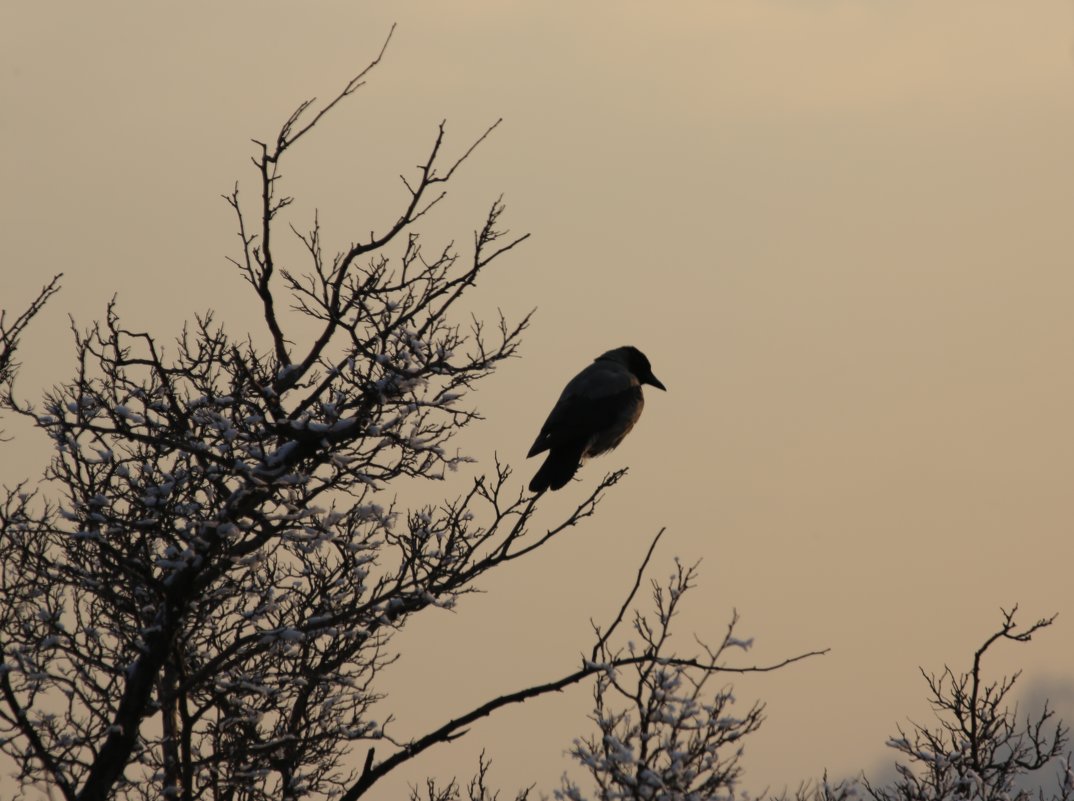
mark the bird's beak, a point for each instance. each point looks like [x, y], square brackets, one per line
[654, 381]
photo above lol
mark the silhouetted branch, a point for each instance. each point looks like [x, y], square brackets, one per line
[978, 750]
[610, 663]
[1008, 631]
[204, 611]
[11, 332]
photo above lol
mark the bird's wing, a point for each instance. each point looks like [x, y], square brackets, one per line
[590, 403]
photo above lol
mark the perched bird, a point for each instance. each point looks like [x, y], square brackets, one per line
[597, 409]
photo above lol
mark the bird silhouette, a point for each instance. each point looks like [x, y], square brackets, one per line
[597, 408]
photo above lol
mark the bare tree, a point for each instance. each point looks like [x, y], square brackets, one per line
[204, 609]
[979, 749]
[976, 750]
[671, 736]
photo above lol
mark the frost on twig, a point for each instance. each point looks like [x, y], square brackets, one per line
[978, 749]
[201, 598]
[222, 559]
[668, 725]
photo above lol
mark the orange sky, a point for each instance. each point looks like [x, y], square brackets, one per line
[842, 232]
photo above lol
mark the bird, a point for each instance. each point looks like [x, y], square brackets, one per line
[596, 410]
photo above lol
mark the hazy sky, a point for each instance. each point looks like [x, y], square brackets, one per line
[842, 231]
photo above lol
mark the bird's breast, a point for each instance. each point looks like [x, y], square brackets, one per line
[619, 426]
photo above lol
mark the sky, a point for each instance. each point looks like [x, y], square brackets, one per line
[840, 230]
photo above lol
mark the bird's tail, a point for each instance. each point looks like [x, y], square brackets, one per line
[559, 467]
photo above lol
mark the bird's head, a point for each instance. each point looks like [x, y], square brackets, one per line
[636, 362]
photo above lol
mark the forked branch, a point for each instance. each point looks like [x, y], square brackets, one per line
[607, 665]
